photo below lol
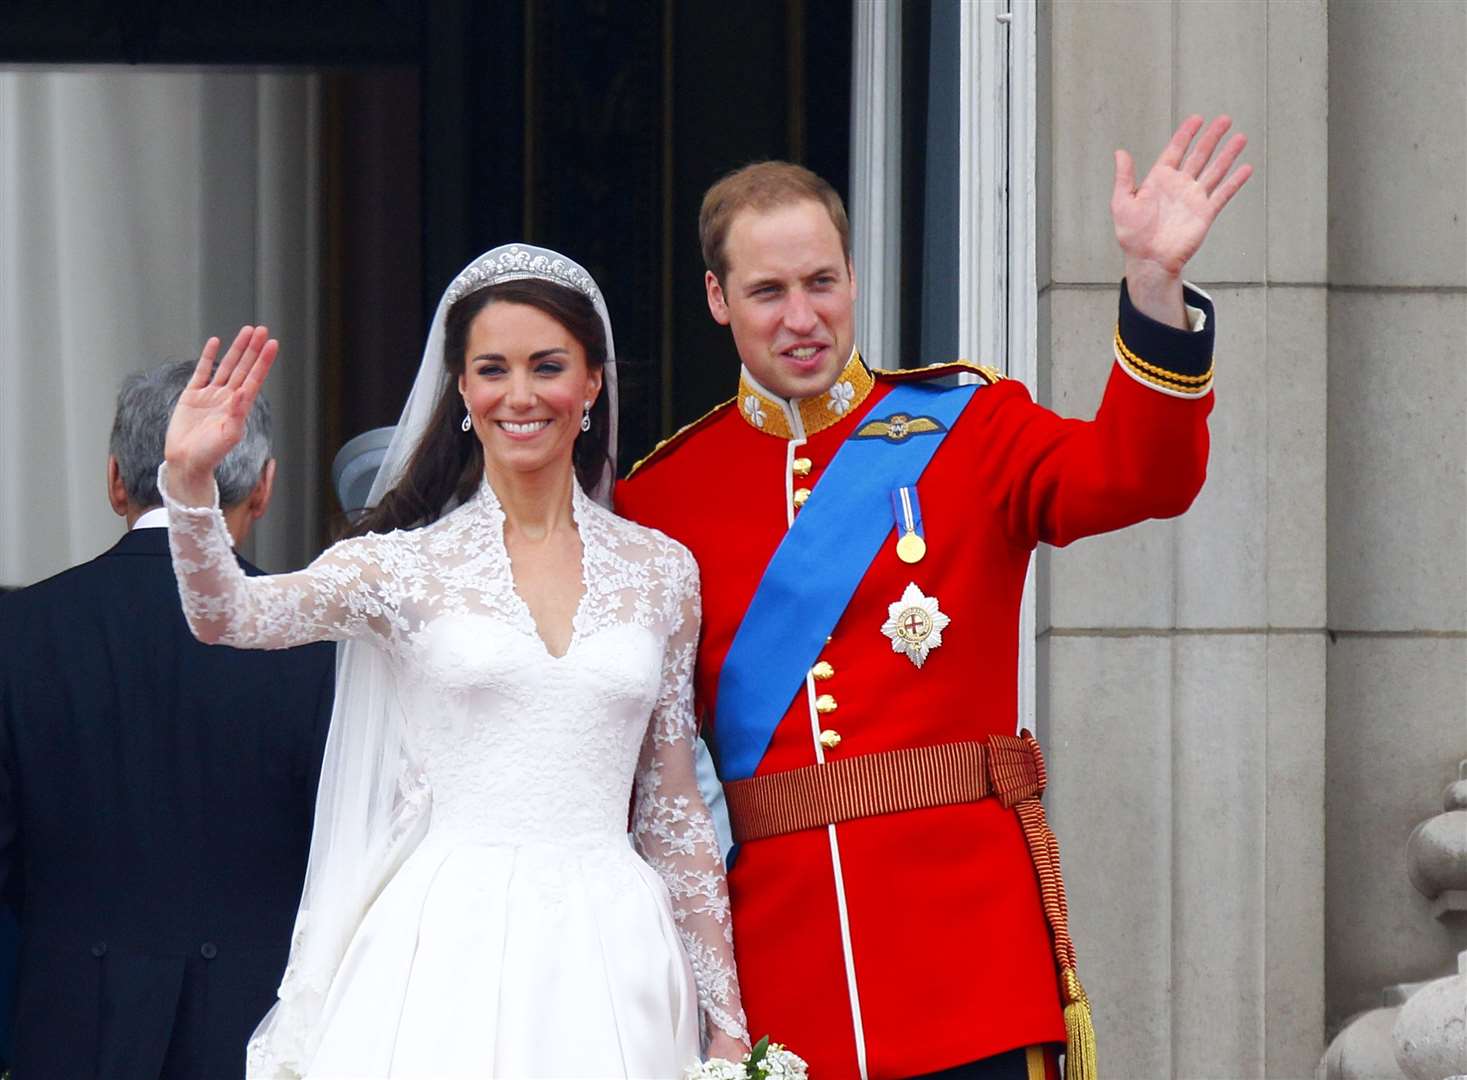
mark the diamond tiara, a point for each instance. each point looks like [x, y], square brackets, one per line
[517, 264]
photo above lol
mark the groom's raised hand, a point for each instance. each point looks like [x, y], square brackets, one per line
[1161, 224]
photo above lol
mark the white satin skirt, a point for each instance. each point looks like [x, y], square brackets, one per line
[513, 961]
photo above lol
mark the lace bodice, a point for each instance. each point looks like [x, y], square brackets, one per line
[514, 744]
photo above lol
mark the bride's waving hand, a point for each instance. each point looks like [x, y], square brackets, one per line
[210, 416]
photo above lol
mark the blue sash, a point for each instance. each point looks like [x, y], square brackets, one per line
[816, 568]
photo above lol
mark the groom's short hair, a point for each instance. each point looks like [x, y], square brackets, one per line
[140, 426]
[764, 185]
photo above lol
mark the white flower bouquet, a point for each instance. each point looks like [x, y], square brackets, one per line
[767, 1061]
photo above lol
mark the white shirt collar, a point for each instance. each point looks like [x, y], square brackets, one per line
[156, 518]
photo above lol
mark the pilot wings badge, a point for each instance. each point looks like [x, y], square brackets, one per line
[914, 624]
[898, 427]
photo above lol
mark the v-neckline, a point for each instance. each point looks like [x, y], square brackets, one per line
[522, 606]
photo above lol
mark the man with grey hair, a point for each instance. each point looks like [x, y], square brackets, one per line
[246, 476]
[156, 794]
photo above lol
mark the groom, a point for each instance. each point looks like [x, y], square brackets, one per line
[864, 537]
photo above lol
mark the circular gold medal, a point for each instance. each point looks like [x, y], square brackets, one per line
[911, 548]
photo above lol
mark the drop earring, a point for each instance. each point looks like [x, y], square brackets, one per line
[586, 417]
[468, 423]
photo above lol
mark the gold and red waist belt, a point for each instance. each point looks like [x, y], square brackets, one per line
[1009, 768]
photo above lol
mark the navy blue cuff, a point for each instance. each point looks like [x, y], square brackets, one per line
[1162, 356]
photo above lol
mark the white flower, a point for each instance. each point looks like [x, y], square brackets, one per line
[715, 1069]
[755, 412]
[842, 395]
[782, 1064]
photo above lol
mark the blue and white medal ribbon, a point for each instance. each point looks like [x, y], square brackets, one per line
[911, 543]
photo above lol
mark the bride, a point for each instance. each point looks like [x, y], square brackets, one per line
[518, 663]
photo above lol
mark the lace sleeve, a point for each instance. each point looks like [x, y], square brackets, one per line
[338, 596]
[671, 825]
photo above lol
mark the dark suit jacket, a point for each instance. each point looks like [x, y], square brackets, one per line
[156, 797]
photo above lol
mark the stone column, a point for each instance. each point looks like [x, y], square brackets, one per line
[1182, 663]
[1397, 485]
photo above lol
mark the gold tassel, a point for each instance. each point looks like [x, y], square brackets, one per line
[1079, 1030]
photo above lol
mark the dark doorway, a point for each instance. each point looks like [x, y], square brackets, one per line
[592, 126]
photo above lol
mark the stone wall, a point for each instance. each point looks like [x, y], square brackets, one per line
[1397, 468]
[1248, 709]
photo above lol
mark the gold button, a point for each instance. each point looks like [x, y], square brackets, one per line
[822, 670]
[829, 739]
[801, 496]
[825, 704]
[801, 466]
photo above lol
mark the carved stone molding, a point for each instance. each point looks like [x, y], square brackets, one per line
[1436, 853]
[1420, 1033]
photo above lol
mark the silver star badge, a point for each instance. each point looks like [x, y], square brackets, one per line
[914, 624]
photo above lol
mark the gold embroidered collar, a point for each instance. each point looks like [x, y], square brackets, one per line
[803, 417]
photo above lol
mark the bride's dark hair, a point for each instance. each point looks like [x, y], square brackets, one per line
[448, 464]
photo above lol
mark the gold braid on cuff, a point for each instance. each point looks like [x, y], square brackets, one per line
[1190, 385]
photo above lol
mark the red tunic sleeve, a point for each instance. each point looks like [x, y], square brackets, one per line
[1144, 455]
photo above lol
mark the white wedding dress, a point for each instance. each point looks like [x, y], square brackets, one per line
[522, 936]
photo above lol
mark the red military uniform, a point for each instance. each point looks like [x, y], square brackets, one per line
[914, 941]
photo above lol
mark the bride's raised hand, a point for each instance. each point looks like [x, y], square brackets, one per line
[209, 419]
